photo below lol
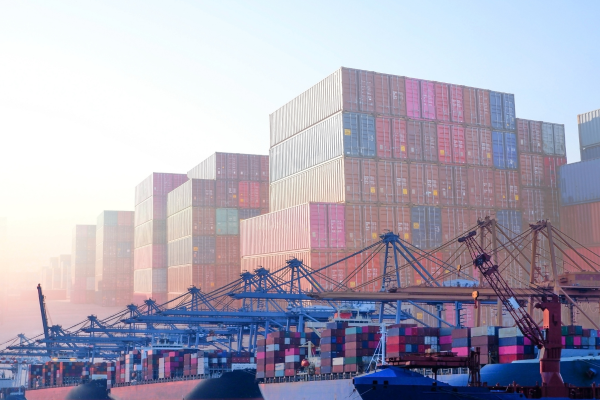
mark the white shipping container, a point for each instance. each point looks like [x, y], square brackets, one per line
[314, 105]
[292, 358]
[179, 225]
[559, 140]
[279, 366]
[323, 183]
[142, 280]
[316, 145]
[272, 347]
[337, 361]
[144, 211]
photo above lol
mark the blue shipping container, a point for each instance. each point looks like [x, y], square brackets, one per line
[228, 221]
[510, 221]
[504, 146]
[203, 251]
[508, 106]
[590, 153]
[579, 182]
[245, 213]
[496, 110]
[426, 227]
[107, 218]
[359, 135]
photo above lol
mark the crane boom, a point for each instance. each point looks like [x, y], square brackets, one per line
[548, 341]
[44, 314]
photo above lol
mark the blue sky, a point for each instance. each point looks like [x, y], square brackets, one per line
[94, 96]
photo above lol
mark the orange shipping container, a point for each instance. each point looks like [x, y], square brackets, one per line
[413, 138]
[424, 180]
[429, 132]
[507, 189]
[532, 170]
[401, 183]
[481, 187]
[533, 205]
[368, 181]
[385, 181]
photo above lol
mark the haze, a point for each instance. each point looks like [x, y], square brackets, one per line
[94, 96]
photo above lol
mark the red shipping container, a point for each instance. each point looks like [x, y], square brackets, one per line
[446, 185]
[383, 131]
[254, 162]
[414, 141]
[399, 139]
[458, 145]
[552, 206]
[478, 146]
[366, 91]
[203, 193]
[387, 218]
[413, 98]
[455, 221]
[227, 193]
[551, 166]
[401, 183]
[481, 187]
[354, 232]
[442, 102]
[243, 164]
[533, 205]
[227, 250]
[203, 221]
[382, 94]
[427, 100]
[249, 194]
[232, 166]
[329, 278]
[264, 195]
[397, 95]
[370, 224]
[535, 135]
[363, 272]
[523, 136]
[424, 180]
[350, 89]
[507, 189]
[532, 170]
[385, 181]
[432, 264]
[577, 222]
[444, 143]
[429, 142]
[470, 106]
[461, 194]
[456, 103]
[403, 228]
[369, 181]
[483, 107]
[352, 174]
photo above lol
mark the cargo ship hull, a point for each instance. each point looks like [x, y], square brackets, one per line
[337, 389]
[175, 390]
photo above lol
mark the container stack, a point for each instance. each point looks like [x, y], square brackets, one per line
[150, 236]
[280, 353]
[195, 363]
[360, 346]
[68, 372]
[83, 264]
[333, 339]
[445, 339]
[461, 341]
[580, 204]
[203, 219]
[150, 363]
[405, 340]
[589, 135]
[512, 346]
[114, 258]
[420, 158]
[486, 338]
[34, 375]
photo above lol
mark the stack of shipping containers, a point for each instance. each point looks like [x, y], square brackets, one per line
[589, 135]
[580, 205]
[114, 258]
[150, 236]
[83, 268]
[203, 219]
[423, 159]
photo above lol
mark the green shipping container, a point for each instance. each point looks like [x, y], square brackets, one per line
[228, 222]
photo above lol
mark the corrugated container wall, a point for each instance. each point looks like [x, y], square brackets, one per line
[150, 232]
[589, 128]
[114, 258]
[83, 264]
[579, 182]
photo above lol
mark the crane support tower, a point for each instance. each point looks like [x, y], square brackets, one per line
[548, 340]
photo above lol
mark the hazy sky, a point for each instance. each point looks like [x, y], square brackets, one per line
[94, 96]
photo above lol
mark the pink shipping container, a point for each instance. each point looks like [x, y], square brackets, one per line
[249, 194]
[532, 170]
[413, 99]
[424, 183]
[456, 103]
[481, 187]
[504, 350]
[308, 226]
[444, 143]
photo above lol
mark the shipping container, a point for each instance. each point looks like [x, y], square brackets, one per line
[385, 182]
[442, 102]
[590, 153]
[523, 137]
[511, 223]
[455, 222]
[413, 99]
[307, 226]
[578, 182]
[508, 108]
[577, 224]
[453, 185]
[359, 135]
[532, 170]
[505, 150]
[224, 166]
[427, 100]
[429, 141]
[456, 104]
[496, 112]
[551, 168]
[589, 128]
[401, 183]
[424, 184]
[481, 187]
[478, 146]
[535, 132]
[507, 188]
[533, 205]
[426, 227]
[548, 138]
[414, 140]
